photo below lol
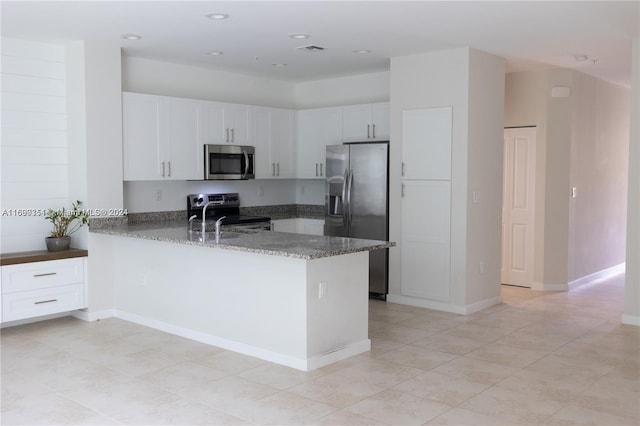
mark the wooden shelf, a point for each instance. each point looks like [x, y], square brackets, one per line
[40, 256]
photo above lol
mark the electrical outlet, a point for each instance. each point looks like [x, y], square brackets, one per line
[481, 267]
[476, 196]
[261, 191]
[322, 289]
[158, 194]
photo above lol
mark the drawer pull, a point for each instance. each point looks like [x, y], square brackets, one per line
[44, 275]
[46, 301]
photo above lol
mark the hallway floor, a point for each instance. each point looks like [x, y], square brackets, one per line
[536, 359]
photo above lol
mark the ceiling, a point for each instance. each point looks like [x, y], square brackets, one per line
[529, 34]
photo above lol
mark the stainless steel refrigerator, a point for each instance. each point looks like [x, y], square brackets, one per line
[357, 201]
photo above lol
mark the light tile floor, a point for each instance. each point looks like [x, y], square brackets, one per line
[536, 359]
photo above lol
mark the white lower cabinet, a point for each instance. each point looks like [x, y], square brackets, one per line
[299, 226]
[426, 235]
[42, 288]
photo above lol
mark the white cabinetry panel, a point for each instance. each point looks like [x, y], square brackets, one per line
[227, 123]
[426, 143]
[315, 129]
[365, 122]
[274, 142]
[425, 265]
[162, 137]
[42, 288]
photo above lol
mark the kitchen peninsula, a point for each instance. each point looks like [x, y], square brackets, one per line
[297, 300]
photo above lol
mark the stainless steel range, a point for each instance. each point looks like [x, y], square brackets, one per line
[227, 205]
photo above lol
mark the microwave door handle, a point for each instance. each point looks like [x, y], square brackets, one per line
[246, 164]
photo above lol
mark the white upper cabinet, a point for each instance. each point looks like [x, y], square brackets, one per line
[273, 130]
[365, 122]
[227, 123]
[162, 137]
[315, 129]
[426, 143]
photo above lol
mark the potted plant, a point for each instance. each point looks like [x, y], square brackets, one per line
[65, 222]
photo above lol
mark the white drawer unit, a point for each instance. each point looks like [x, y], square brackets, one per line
[42, 288]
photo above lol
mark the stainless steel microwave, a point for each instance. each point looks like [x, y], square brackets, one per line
[229, 162]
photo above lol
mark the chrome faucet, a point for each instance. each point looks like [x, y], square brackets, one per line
[191, 223]
[218, 223]
[204, 214]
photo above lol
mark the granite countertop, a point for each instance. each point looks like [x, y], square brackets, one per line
[285, 244]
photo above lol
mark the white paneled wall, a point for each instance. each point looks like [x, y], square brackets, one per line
[34, 140]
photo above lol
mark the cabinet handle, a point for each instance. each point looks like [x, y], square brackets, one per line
[403, 168]
[321, 170]
[316, 169]
[402, 191]
[163, 169]
[45, 301]
[278, 168]
[233, 135]
[273, 169]
[169, 163]
[227, 140]
[374, 131]
[368, 127]
[44, 275]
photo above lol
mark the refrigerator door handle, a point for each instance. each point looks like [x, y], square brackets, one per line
[349, 195]
[345, 200]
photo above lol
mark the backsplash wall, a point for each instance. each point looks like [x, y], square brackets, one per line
[158, 196]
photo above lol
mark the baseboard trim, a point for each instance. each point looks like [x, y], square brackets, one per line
[442, 306]
[549, 287]
[631, 319]
[243, 348]
[93, 316]
[599, 275]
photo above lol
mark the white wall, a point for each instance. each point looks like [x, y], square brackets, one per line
[169, 79]
[599, 165]
[363, 88]
[632, 278]
[582, 142]
[95, 122]
[484, 175]
[34, 140]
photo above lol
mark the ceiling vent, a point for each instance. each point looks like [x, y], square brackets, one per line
[311, 48]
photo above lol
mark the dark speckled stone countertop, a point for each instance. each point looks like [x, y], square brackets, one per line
[285, 244]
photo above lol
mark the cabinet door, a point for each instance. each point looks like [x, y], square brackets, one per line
[308, 139]
[215, 132]
[144, 136]
[380, 119]
[425, 264]
[185, 160]
[283, 225]
[282, 142]
[262, 142]
[426, 143]
[238, 121]
[356, 122]
[316, 128]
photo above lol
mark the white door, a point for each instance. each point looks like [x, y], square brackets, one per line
[518, 206]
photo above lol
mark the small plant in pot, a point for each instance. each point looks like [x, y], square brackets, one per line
[65, 222]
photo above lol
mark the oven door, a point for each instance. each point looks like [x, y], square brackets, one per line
[229, 162]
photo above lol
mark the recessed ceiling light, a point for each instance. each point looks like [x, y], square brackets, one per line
[130, 36]
[299, 36]
[217, 16]
[278, 64]
[214, 53]
[581, 58]
[362, 51]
